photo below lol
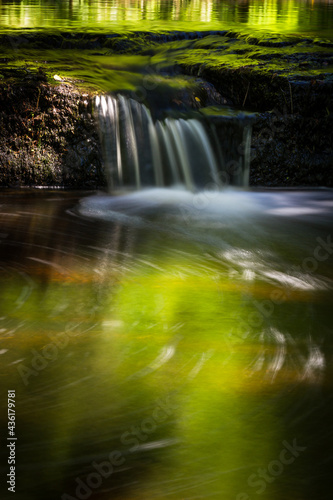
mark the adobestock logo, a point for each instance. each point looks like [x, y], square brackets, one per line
[49, 353]
[321, 253]
[134, 437]
[275, 468]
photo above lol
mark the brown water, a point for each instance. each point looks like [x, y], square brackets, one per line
[165, 345]
[312, 17]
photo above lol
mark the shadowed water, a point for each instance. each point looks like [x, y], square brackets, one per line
[164, 344]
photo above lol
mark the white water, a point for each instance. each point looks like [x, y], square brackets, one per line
[225, 207]
[140, 152]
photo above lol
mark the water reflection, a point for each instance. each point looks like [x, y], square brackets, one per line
[164, 359]
[302, 16]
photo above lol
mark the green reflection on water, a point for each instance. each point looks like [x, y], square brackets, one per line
[95, 355]
[125, 339]
[276, 15]
[207, 373]
[91, 369]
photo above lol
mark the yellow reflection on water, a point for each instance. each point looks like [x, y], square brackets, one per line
[275, 15]
[100, 341]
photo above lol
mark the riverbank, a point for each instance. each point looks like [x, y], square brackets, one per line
[48, 132]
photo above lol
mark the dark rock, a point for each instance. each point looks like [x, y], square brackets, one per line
[292, 150]
[48, 136]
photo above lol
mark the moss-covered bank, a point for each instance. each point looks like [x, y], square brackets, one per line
[48, 134]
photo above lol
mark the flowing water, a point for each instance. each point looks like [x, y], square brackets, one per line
[311, 17]
[141, 152]
[139, 64]
[168, 344]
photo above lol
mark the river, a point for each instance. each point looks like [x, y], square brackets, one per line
[164, 344]
[309, 17]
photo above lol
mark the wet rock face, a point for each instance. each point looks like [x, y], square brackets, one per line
[181, 94]
[290, 81]
[48, 136]
[292, 150]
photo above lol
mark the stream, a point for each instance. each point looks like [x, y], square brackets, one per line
[164, 344]
[170, 338]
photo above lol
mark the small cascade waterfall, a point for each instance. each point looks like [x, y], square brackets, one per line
[140, 152]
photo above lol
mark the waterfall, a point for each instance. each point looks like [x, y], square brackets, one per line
[140, 152]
